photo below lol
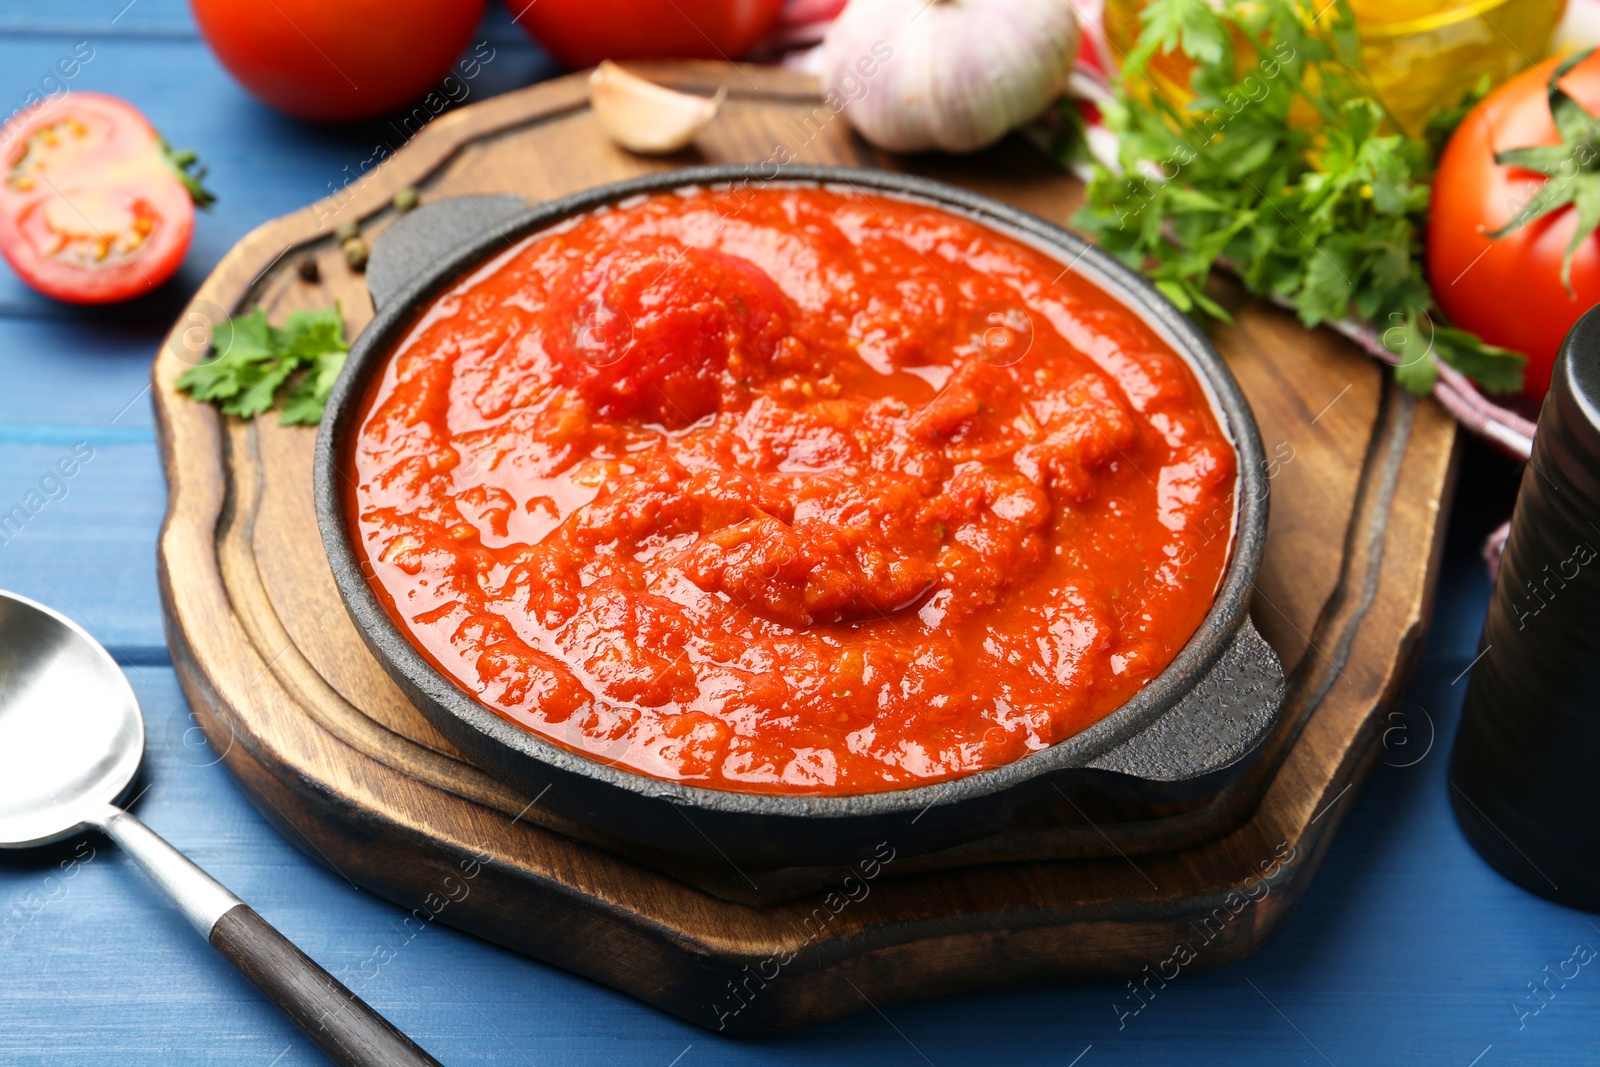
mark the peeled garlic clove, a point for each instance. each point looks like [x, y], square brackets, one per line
[645, 117]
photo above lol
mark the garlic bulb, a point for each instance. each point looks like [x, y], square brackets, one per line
[952, 74]
[645, 117]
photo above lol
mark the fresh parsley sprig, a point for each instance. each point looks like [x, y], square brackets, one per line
[1283, 168]
[255, 361]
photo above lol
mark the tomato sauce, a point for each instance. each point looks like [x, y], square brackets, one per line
[790, 490]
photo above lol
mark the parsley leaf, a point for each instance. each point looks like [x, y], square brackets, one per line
[255, 360]
[1284, 168]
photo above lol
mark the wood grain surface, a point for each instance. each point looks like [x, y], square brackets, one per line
[330, 752]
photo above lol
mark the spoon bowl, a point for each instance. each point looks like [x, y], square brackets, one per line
[71, 736]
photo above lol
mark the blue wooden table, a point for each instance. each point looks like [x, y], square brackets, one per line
[1407, 949]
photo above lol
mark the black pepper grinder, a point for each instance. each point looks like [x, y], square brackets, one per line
[1525, 773]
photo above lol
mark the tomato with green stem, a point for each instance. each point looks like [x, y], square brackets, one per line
[94, 206]
[1512, 251]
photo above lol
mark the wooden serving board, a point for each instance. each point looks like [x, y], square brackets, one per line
[331, 753]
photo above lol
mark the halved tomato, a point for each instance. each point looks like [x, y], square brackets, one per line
[93, 207]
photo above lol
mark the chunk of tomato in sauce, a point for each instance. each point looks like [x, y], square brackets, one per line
[648, 330]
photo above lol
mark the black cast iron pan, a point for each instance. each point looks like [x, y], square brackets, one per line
[1191, 730]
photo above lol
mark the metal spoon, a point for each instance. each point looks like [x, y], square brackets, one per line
[71, 738]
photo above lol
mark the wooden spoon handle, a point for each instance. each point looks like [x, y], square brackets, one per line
[342, 1024]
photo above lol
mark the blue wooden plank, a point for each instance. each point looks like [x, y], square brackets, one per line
[76, 373]
[84, 543]
[105, 18]
[147, 19]
[76, 394]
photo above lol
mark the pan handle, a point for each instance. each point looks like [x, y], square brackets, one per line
[422, 237]
[1210, 736]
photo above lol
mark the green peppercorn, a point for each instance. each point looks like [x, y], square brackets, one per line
[355, 254]
[405, 200]
[347, 231]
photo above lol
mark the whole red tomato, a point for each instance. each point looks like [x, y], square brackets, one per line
[580, 33]
[1509, 290]
[337, 60]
